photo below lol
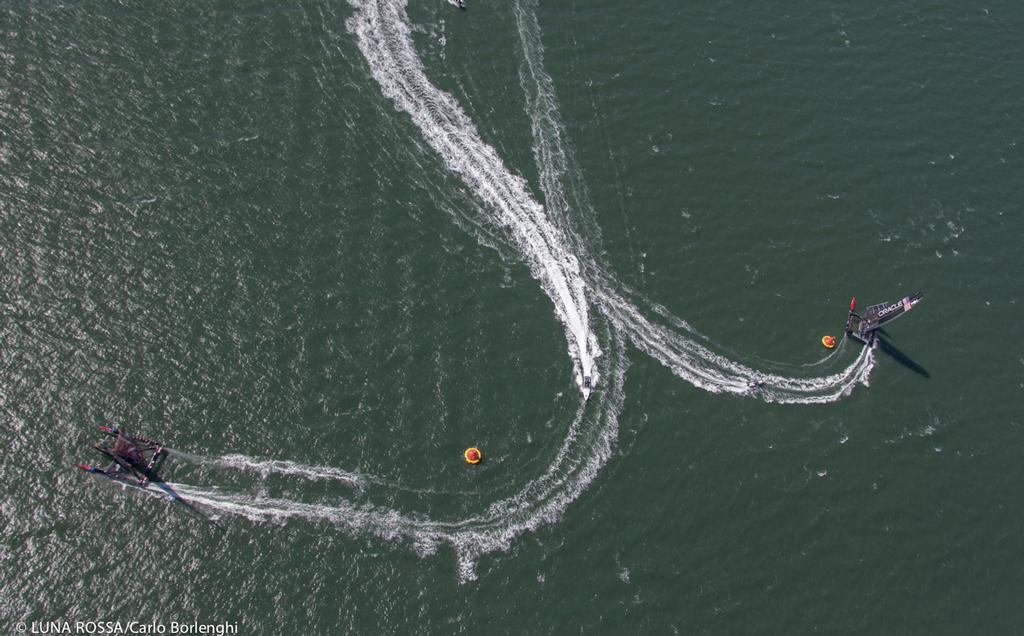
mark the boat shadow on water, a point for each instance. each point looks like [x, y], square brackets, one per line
[885, 344]
[174, 496]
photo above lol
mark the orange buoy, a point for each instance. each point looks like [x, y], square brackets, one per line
[828, 341]
[473, 455]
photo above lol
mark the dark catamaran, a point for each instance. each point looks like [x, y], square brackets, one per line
[135, 460]
[864, 327]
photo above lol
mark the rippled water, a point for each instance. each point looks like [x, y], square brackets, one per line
[320, 248]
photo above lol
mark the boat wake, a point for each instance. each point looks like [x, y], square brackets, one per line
[557, 241]
[284, 467]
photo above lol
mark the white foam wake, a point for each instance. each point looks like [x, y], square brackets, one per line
[687, 357]
[675, 344]
[557, 242]
[285, 467]
[384, 37]
[586, 448]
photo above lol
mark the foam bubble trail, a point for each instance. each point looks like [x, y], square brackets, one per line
[266, 467]
[675, 344]
[691, 360]
[584, 451]
[596, 310]
[384, 37]
[285, 467]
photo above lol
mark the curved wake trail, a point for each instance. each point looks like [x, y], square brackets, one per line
[695, 363]
[385, 39]
[586, 448]
[557, 242]
[679, 347]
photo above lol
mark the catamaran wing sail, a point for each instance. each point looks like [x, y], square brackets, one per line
[863, 326]
[880, 314]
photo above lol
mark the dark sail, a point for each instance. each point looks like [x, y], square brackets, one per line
[878, 315]
[863, 326]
